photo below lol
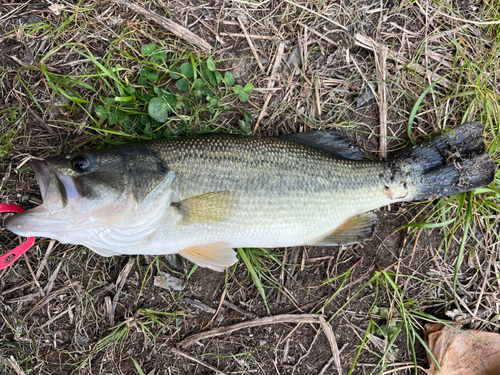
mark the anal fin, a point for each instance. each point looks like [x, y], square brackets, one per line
[354, 230]
[217, 256]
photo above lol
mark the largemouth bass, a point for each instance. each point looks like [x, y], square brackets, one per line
[203, 196]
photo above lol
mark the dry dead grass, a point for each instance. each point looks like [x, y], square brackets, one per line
[66, 310]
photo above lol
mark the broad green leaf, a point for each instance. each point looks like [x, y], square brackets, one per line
[199, 84]
[218, 77]
[248, 88]
[244, 126]
[182, 84]
[120, 115]
[198, 94]
[173, 74]
[158, 57]
[247, 116]
[212, 78]
[152, 77]
[187, 70]
[145, 120]
[148, 49]
[229, 79]
[214, 101]
[211, 64]
[111, 118]
[238, 89]
[101, 112]
[243, 96]
[158, 109]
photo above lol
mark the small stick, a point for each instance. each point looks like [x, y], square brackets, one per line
[318, 107]
[321, 36]
[239, 309]
[52, 279]
[237, 35]
[45, 257]
[380, 62]
[170, 25]
[249, 40]
[194, 359]
[270, 84]
[120, 281]
[218, 309]
[285, 318]
[11, 362]
[42, 293]
[327, 328]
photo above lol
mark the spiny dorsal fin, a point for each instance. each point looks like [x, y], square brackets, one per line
[206, 208]
[355, 229]
[331, 142]
[217, 256]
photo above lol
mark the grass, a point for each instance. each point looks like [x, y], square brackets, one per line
[94, 82]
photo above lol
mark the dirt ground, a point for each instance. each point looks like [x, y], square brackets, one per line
[66, 310]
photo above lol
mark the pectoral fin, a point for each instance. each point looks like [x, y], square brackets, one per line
[355, 229]
[217, 256]
[206, 208]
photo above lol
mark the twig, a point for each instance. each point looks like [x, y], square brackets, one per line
[199, 305]
[380, 60]
[237, 35]
[42, 293]
[52, 279]
[316, 14]
[325, 367]
[194, 359]
[285, 318]
[170, 25]
[218, 309]
[239, 309]
[270, 84]
[318, 107]
[11, 362]
[321, 36]
[45, 257]
[482, 23]
[120, 281]
[54, 318]
[249, 40]
[327, 328]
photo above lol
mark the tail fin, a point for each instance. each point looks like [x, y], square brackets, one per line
[451, 163]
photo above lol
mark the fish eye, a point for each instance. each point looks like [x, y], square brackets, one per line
[80, 164]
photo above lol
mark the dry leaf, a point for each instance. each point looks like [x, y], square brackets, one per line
[461, 354]
[56, 8]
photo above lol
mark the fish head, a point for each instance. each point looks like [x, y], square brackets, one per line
[79, 189]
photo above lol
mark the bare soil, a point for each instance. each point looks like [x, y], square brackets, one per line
[56, 317]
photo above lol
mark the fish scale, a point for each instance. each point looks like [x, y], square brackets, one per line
[262, 174]
[202, 196]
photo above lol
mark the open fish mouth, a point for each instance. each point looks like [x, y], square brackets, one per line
[52, 188]
[55, 188]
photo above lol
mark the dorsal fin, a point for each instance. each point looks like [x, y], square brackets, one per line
[355, 229]
[332, 142]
